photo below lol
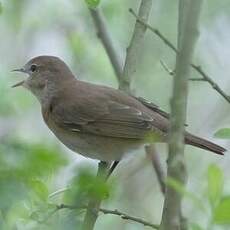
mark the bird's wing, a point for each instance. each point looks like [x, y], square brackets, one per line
[153, 107]
[110, 118]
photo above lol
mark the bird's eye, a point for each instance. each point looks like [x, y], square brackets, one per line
[33, 68]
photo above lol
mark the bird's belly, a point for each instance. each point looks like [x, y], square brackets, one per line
[97, 147]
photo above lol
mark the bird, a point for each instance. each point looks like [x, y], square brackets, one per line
[96, 121]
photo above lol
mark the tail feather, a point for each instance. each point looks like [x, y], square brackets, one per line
[204, 144]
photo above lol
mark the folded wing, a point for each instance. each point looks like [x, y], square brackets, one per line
[109, 118]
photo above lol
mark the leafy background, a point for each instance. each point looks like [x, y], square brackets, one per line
[37, 172]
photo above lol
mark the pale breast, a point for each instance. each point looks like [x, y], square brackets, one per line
[92, 146]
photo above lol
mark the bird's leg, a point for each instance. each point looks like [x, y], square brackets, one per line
[114, 165]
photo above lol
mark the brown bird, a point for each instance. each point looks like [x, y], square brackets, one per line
[96, 121]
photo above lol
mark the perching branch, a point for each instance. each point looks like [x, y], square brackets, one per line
[107, 42]
[123, 215]
[132, 52]
[187, 36]
[94, 204]
[198, 68]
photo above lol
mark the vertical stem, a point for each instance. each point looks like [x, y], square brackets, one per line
[187, 36]
[94, 204]
[133, 49]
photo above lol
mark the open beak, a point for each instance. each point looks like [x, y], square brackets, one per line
[19, 70]
[18, 84]
[22, 70]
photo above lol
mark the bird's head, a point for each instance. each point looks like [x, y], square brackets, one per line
[44, 72]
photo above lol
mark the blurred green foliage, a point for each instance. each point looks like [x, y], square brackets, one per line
[84, 186]
[223, 133]
[1, 9]
[16, 9]
[25, 173]
[31, 169]
[216, 212]
[215, 184]
[194, 226]
[222, 211]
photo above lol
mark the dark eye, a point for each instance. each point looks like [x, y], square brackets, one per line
[33, 68]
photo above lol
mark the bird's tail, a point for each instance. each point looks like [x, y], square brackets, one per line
[204, 144]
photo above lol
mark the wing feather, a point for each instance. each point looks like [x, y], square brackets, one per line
[112, 119]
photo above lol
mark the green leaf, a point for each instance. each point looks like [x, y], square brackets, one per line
[176, 185]
[40, 189]
[92, 3]
[223, 133]
[43, 212]
[215, 184]
[222, 212]
[95, 186]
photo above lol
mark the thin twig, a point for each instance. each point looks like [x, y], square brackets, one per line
[211, 82]
[151, 152]
[112, 212]
[106, 40]
[133, 50]
[128, 217]
[166, 68]
[154, 30]
[198, 68]
[58, 192]
[172, 72]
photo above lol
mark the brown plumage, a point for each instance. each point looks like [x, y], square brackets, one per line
[97, 121]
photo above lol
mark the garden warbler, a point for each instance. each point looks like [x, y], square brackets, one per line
[96, 121]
